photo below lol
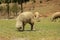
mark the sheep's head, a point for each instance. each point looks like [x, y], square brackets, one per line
[19, 26]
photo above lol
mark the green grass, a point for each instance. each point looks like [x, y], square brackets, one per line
[44, 30]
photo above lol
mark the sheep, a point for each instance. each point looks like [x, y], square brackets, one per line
[23, 19]
[55, 16]
[37, 16]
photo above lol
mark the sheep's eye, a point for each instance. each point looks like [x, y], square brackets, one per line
[20, 27]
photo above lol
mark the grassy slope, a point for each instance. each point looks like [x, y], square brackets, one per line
[45, 30]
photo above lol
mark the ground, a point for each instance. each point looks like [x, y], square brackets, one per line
[44, 30]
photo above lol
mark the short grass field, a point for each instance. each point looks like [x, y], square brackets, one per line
[44, 30]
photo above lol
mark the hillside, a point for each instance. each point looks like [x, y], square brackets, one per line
[42, 6]
[45, 6]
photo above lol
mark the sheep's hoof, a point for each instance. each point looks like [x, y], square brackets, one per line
[20, 29]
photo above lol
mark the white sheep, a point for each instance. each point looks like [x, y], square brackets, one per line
[23, 19]
[55, 16]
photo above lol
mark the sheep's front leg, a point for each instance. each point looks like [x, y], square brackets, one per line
[32, 24]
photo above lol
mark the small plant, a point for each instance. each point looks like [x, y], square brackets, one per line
[40, 1]
[15, 8]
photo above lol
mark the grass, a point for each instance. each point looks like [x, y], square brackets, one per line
[44, 30]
